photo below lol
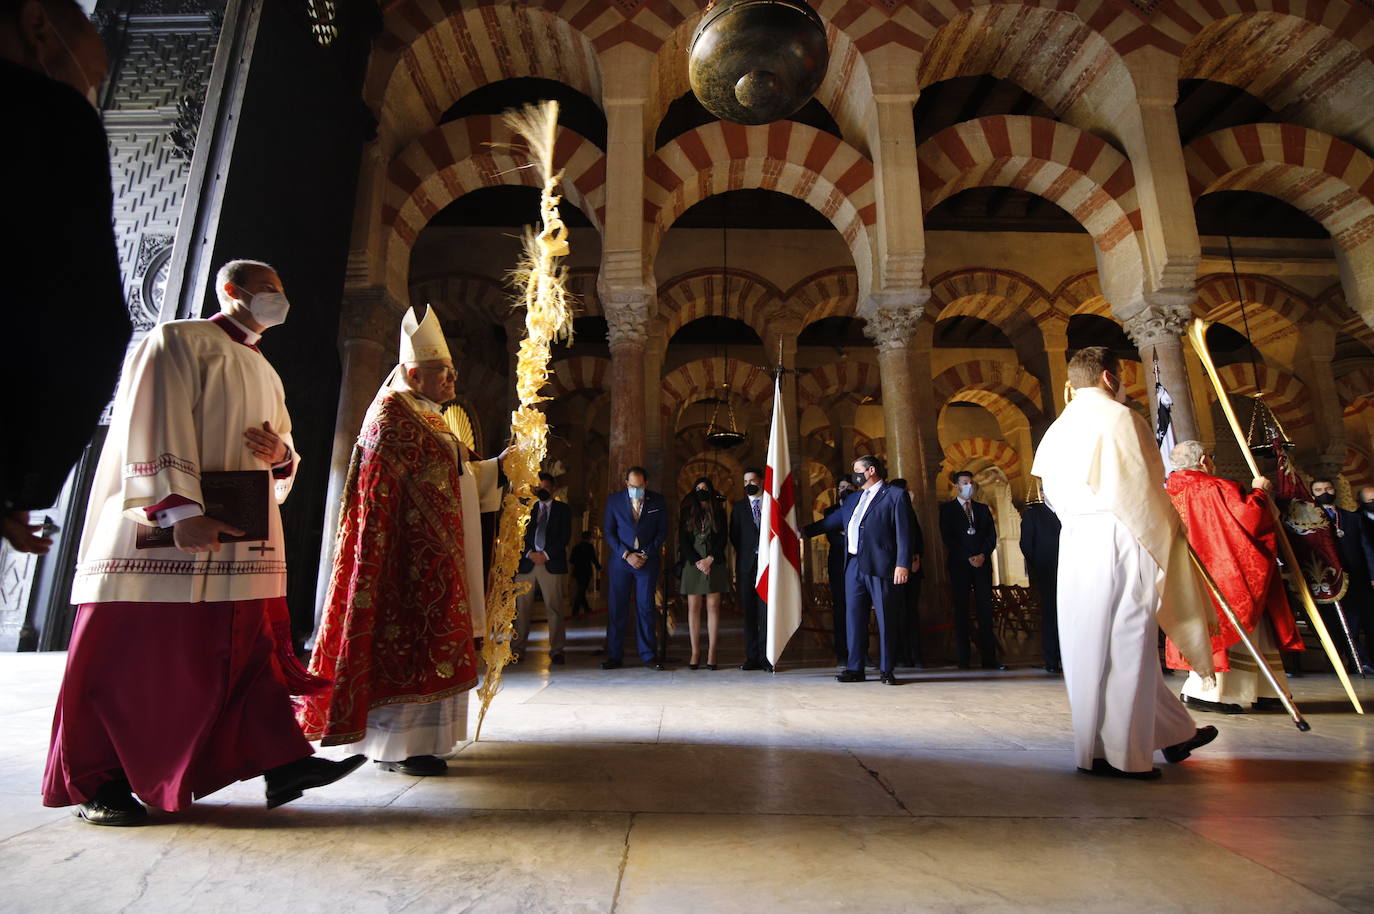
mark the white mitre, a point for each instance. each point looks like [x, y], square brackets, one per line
[421, 341]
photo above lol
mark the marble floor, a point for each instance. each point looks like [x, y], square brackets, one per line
[641, 791]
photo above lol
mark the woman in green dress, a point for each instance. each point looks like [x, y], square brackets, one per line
[701, 536]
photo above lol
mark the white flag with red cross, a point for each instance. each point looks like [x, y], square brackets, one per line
[779, 576]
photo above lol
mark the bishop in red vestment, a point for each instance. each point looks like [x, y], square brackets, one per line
[176, 685]
[1232, 531]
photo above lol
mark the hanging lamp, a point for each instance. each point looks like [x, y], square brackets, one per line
[729, 435]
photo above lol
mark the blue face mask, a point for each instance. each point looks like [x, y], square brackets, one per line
[636, 491]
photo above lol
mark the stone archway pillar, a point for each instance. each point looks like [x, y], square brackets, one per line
[627, 317]
[369, 327]
[891, 321]
[1318, 351]
[1056, 335]
[1157, 331]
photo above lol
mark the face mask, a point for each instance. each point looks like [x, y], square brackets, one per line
[90, 91]
[543, 494]
[703, 495]
[636, 491]
[269, 308]
[751, 489]
[1327, 498]
[1368, 507]
[858, 480]
[1120, 395]
[966, 491]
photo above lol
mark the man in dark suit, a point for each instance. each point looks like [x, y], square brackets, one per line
[877, 525]
[745, 522]
[1040, 546]
[544, 564]
[583, 559]
[1351, 542]
[970, 537]
[636, 523]
[909, 612]
[834, 567]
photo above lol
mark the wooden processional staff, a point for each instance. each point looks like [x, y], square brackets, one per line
[1197, 335]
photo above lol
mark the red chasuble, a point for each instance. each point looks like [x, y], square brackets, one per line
[396, 625]
[1233, 533]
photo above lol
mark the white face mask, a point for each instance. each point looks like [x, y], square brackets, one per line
[1120, 395]
[966, 491]
[269, 308]
[636, 492]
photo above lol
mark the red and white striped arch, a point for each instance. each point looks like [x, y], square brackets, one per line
[702, 293]
[794, 159]
[467, 155]
[431, 53]
[1355, 390]
[1272, 309]
[1051, 53]
[1283, 393]
[829, 293]
[851, 378]
[693, 381]
[1008, 391]
[462, 296]
[1180, 22]
[570, 376]
[1357, 467]
[1081, 294]
[1069, 167]
[1330, 180]
[977, 454]
[1299, 67]
[1001, 297]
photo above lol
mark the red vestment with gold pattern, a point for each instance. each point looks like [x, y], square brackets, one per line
[1233, 534]
[396, 625]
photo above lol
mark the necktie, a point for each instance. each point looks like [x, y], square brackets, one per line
[758, 509]
[852, 535]
[541, 527]
[636, 504]
[968, 512]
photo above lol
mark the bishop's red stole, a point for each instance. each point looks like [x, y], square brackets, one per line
[396, 625]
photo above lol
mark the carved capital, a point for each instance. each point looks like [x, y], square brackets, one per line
[891, 316]
[370, 314]
[1165, 317]
[627, 314]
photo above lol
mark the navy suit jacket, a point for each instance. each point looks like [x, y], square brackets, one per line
[621, 530]
[959, 546]
[744, 536]
[556, 536]
[885, 531]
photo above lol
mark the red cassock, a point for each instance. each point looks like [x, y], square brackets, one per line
[1232, 532]
[396, 626]
[179, 698]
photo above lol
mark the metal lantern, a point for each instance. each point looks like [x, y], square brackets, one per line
[757, 61]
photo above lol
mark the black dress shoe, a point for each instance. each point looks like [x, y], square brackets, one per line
[1216, 707]
[612, 664]
[767, 667]
[751, 665]
[556, 660]
[653, 665]
[113, 804]
[1180, 751]
[851, 676]
[1103, 770]
[887, 677]
[417, 766]
[1053, 670]
[287, 782]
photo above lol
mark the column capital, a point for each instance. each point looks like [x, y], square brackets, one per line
[1165, 316]
[627, 314]
[370, 313]
[891, 316]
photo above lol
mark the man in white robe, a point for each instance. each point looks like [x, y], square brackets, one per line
[406, 603]
[1124, 572]
[175, 683]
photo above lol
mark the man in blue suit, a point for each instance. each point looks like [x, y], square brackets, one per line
[877, 526]
[635, 526]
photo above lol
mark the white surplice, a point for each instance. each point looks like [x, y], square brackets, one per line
[1123, 572]
[397, 732]
[187, 394]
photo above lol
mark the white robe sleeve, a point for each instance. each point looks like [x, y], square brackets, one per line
[155, 410]
[487, 474]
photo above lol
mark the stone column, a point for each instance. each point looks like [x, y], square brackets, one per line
[1315, 356]
[369, 327]
[1157, 332]
[1056, 335]
[627, 316]
[890, 321]
[657, 439]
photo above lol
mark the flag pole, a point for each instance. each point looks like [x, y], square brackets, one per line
[1197, 335]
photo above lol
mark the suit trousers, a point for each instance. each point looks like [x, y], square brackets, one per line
[755, 619]
[641, 582]
[552, 587]
[963, 578]
[1045, 580]
[840, 623]
[580, 603]
[909, 621]
[864, 592]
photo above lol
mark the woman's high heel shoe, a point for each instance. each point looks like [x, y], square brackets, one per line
[692, 666]
[711, 666]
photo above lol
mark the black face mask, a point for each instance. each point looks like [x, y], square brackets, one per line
[1367, 505]
[543, 494]
[858, 480]
[1327, 498]
[703, 495]
[751, 489]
